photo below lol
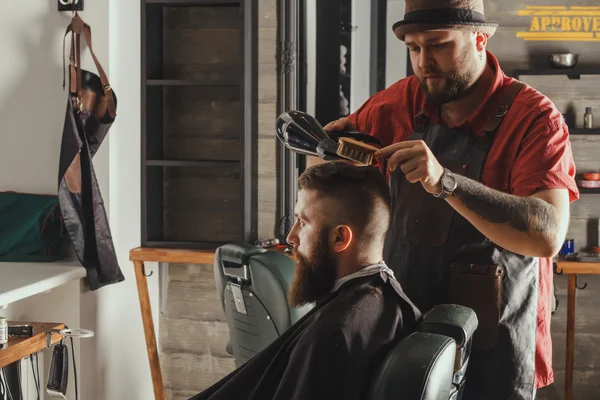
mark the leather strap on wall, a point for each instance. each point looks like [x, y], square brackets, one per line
[78, 27]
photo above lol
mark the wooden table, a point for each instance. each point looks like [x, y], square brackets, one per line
[139, 256]
[572, 269]
[19, 348]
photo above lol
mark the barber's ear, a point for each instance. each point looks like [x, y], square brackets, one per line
[480, 41]
[341, 237]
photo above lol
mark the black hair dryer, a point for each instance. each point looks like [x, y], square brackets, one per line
[302, 133]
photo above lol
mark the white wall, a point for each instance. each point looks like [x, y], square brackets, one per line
[127, 371]
[32, 102]
[113, 364]
[395, 66]
[360, 66]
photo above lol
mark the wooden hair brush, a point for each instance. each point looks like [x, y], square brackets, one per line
[354, 150]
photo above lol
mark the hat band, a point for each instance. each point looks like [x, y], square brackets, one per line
[444, 15]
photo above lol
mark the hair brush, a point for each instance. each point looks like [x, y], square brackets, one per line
[354, 150]
[302, 133]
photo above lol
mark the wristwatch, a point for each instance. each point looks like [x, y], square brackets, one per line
[448, 182]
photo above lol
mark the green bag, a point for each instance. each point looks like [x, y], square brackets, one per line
[31, 228]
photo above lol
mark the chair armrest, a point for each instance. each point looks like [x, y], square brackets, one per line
[450, 320]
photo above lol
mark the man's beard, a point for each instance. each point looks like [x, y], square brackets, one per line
[454, 89]
[314, 276]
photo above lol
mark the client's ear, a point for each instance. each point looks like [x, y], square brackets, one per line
[342, 236]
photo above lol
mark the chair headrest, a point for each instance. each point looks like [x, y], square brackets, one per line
[234, 257]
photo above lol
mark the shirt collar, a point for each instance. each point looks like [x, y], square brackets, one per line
[480, 116]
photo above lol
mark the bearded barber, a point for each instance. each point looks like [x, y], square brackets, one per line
[482, 174]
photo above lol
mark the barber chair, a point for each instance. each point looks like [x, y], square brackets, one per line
[429, 364]
[253, 285]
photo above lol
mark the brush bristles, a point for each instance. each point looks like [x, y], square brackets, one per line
[355, 150]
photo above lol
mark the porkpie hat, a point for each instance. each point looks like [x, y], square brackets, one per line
[443, 15]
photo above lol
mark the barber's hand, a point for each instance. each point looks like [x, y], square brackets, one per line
[342, 124]
[416, 161]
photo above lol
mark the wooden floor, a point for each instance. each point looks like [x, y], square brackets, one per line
[587, 341]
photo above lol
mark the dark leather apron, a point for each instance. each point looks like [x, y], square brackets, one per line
[91, 110]
[439, 257]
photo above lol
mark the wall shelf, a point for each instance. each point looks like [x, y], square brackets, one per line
[589, 190]
[571, 73]
[581, 131]
[199, 123]
[195, 2]
[233, 164]
[189, 82]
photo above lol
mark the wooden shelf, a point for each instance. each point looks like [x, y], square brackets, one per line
[589, 190]
[199, 125]
[183, 255]
[577, 267]
[189, 82]
[19, 348]
[228, 164]
[571, 73]
[195, 2]
[194, 246]
[581, 131]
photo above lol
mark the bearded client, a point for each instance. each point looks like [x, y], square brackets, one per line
[481, 173]
[342, 216]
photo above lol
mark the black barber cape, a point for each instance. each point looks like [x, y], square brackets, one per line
[332, 352]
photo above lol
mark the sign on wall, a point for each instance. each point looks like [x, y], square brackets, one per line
[561, 23]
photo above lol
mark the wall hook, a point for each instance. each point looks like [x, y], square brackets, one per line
[144, 271]
[70, 5]
[555, 265]
[577, 285]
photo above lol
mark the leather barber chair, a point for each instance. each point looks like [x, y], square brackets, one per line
[429, 364]
[253, 285]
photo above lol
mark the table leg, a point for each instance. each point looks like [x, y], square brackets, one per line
[142, 285]
[570, 357]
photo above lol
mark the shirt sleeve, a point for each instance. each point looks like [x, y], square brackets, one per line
[362, 117]
[545, 160]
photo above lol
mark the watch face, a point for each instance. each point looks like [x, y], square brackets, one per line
[448, 181]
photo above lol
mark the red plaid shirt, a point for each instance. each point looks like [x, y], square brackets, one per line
[531, 152]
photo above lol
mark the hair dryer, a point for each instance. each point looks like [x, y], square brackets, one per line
[302, 133]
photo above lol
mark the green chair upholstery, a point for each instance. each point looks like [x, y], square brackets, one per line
[253, 285]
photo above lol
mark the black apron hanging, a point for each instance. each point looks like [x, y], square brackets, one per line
[439, 257]
[91, 110]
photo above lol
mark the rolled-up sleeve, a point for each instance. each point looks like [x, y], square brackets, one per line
[545, 160]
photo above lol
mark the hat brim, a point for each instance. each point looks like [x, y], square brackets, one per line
[401, 29]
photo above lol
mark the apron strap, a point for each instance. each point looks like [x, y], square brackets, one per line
[509, 96]
[78, 27]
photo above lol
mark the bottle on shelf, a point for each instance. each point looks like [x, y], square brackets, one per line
[588, 118]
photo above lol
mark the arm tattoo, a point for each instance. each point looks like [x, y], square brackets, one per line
[526, 214]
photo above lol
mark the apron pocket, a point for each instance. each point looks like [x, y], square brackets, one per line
[479, 287]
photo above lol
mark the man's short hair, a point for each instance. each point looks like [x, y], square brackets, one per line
[362, 193]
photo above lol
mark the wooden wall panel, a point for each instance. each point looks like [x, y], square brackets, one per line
[518, 53]
[202, 43]
[202, 123]
[267, 109]
[201, 204]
